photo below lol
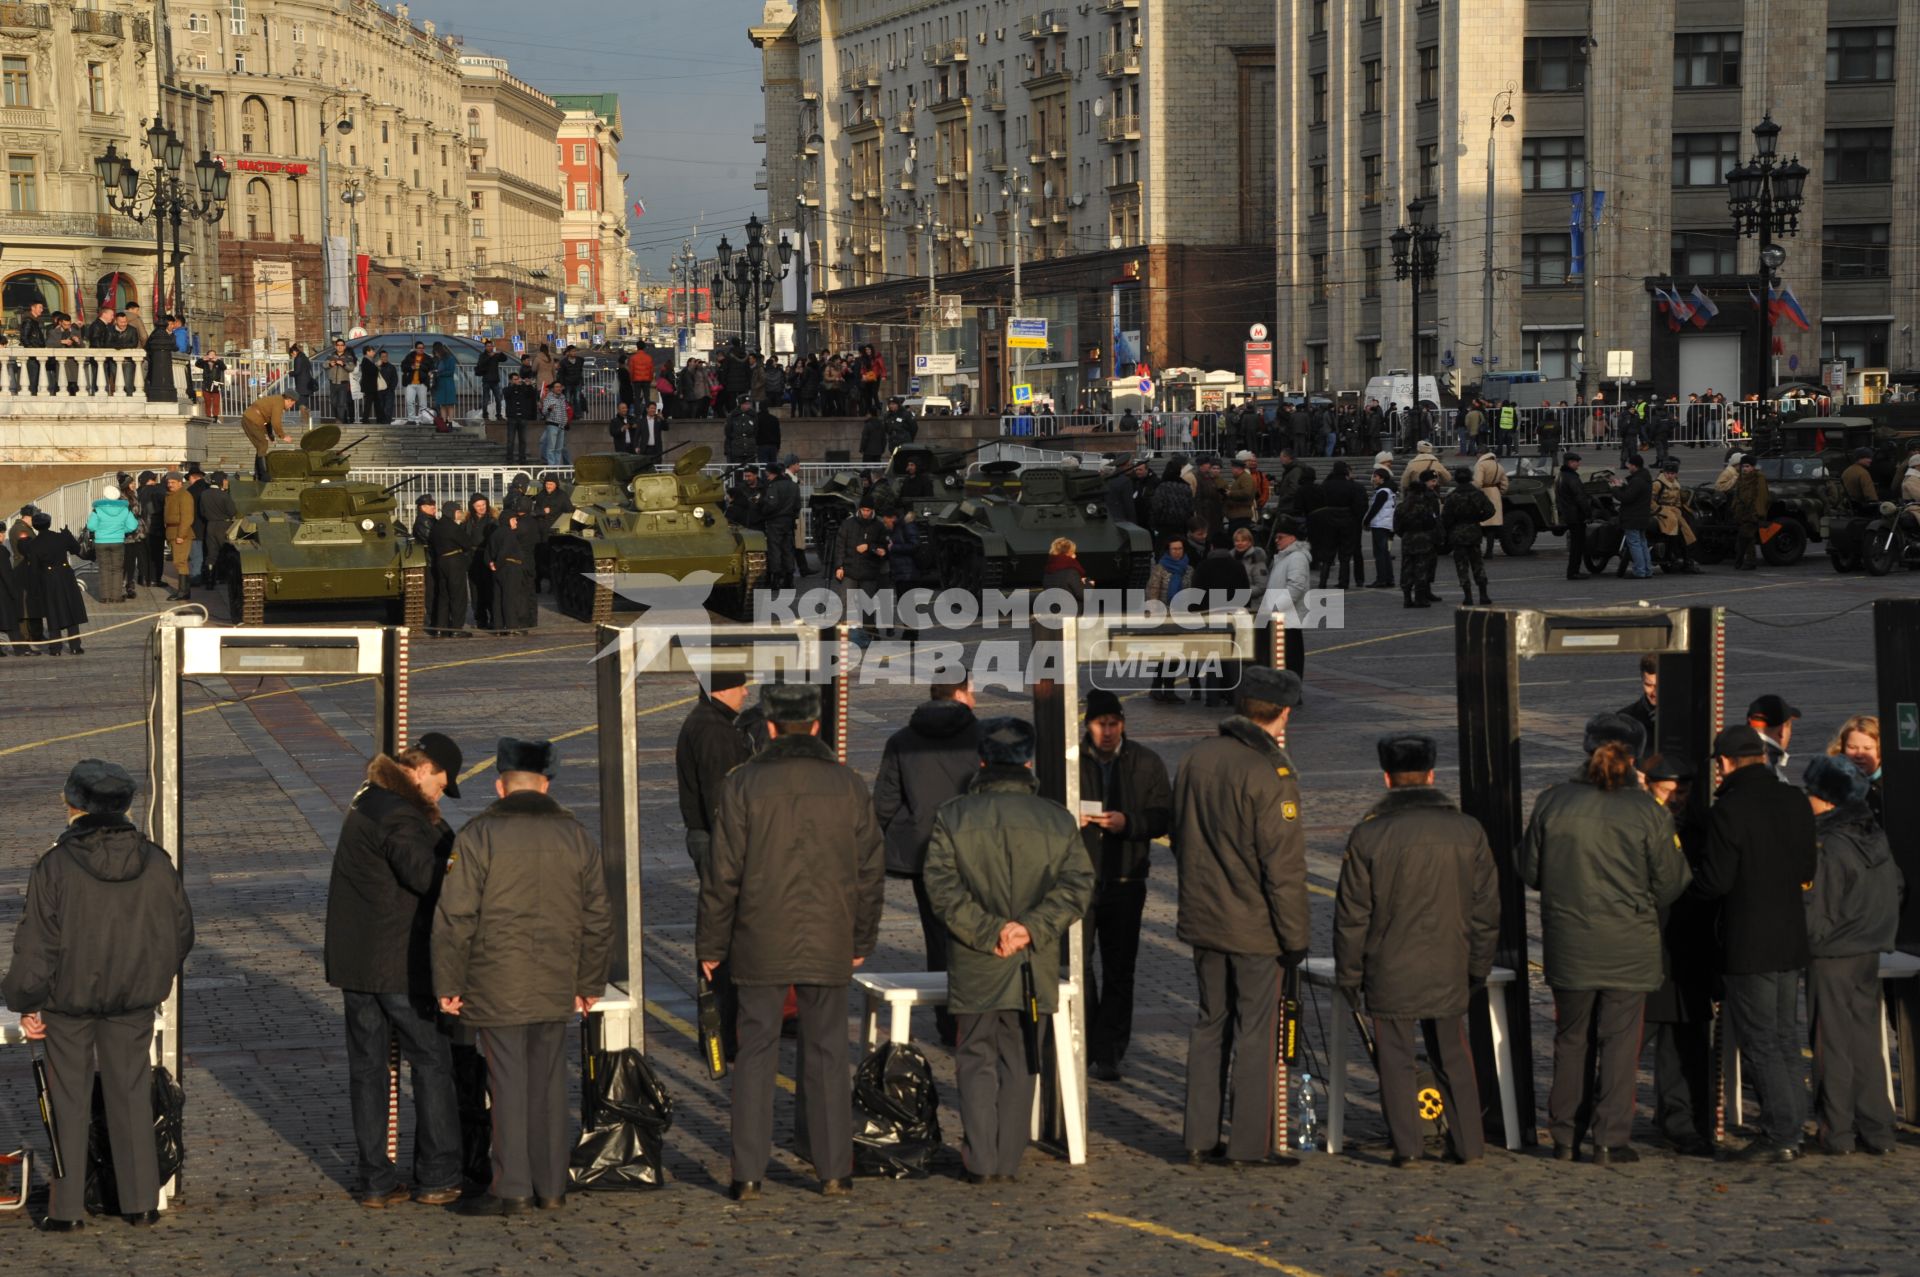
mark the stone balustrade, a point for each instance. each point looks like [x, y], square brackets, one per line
[60, 382]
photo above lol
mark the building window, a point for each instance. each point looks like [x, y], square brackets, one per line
[1704, 159]
[226, 286]
[1859, 55]
[1854, 252]
[1553, 64]
[477, 228]
[1545, 259]
[1319, 175]
[1858, 155]
[293, 207]
[419, 216]
[1372, 11]
[584, 277]
[97, 87]
[1369, 179]
[385, 137]
[1430, 73]
[419, 251]
[1553, 163]
[579, 153]
[240, 62]
[1706, 60]
[475, 197]
[1370, 75]
[23, 186]
[1317, 263]
[16, 83]
[580, 201]
[1429, 170]
[446, 224]
[1862, 345]
[237, 18]
[1319, 97]
[480, 257]
[1555, 354]
[1705, 253]
[1370, 359]
[259, 210]
[299, 33]
[198, 22]
[1319, 17]
[1369, 272]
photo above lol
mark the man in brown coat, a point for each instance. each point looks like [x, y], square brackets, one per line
[179, 513]
[263, 422]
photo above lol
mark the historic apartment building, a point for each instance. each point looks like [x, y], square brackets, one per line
[596, 261]
[1381, 102]
[74, 79]
[513, 195]
[1121, 148]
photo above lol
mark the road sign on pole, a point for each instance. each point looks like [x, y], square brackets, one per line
[1027, 334]
[1619, 365]
[1023, 393]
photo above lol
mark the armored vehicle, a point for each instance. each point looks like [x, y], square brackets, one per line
[998, 538]
[630, 518]
[1803, 484]
[318, 459]
[1527, 509]
[937, 478]
[340, 543]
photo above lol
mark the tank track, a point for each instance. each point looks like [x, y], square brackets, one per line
[253, 599]
[413, 598]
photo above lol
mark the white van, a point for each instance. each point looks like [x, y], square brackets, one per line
[1397, 388]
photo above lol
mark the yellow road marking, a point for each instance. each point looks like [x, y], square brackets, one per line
[686, 1030]
[477, 768]
[1382, 638]
[1200, 1243]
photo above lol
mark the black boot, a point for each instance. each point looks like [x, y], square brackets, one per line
[1484, 601]
[1411, 601]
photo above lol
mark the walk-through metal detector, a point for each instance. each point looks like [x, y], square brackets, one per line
[185, 647]
[793, 652]
[1896, 655]
[1490, 643]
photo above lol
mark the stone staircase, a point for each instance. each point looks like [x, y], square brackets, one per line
[403, 446]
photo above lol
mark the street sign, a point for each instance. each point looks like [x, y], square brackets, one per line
[1146, 385]
[1026, 334]
[1478, 361]
[1834, 375]
[952, 310]
[1257, 333]
[1907, 713]
[519, 344]
[1446, 360]
[936, 365]
[1259, 364]
[1619, 365]
[913, 386]
[1023, 393]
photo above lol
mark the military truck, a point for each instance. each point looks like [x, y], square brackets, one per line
[999, 538]
[341, 543]
[1527, 509]
[317, 460]
[631, 518]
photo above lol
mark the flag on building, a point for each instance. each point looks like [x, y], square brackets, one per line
[1703, 308]
[639, 208]
[79, 299]
[1666, 305]
[1781, 301]
[1681, 311]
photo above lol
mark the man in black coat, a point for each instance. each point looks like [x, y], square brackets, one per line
[387, 869]
[1636, 518]
[548, 505]
[924, 764]
[1416, 920]
[217, 510]
[1343, 506]
[1680, 1012]
[713, 741]
[521, 405]
[105, 929]
[450, 547]
[1129, 783]
[480, 521]
[873, 439]
[1760, 850]
[514, 609]
[1575, 509]
[426, 513]
[369, 372]
[779, 517]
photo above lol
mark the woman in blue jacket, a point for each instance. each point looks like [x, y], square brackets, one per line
[446, 385]
[111, 523]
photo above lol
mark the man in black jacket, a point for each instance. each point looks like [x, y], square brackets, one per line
[1242, 853]
[924, 764]
[522, 404]
[1575, 508]
[1636, 518]
[387, 868]
[487, 369]
[1760, 850]
[1416, 920]
[426, 513]
[105, 930]
[548, 505]
[1128, 782]
[873, 439]
[449, 549]
[33, 335]
[779, 516]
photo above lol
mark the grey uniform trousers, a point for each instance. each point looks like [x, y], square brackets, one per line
[532, 1132]
[1245, 986]
[1849, 1081]
[1451, 1060]
[1596, 1032]
[119, 1045]
[996, 1092]
[824, 1086]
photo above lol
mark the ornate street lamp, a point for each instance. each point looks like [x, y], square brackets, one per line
[1416, 258]
[1764, 198]
[163, 194]
[753, 277]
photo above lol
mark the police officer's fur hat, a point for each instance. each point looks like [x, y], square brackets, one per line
[99, 788]
[1276, 687]
[1006, 742]
[537, 756]
[1403, 753]
[790, 702]
[1835, 779]
[1608, 729]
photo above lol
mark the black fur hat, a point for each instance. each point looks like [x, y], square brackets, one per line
[1407, 753]
[99, 788]
[1835, 779]
[1605, 729]
[1276, 687]
[1006, 742]
[790, 702]
[537, 756]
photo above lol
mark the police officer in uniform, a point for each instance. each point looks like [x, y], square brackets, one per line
[1416, 521]
[1241, 852]
[521, 942]
[713, 741]
[779, 513]
[426, 513]
[515, 611]
[1416, 920]
[105, 929]
[1460, 523]
[792, 897]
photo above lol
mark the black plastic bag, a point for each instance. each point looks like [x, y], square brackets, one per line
[169, 1139]
[625, 1114]
[474, 1099]
[896, 1113]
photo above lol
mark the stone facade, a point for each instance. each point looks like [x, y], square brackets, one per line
[1380, 102]
[513, 193]
[596, 263]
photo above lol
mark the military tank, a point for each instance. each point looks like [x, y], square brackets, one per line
[628, 517]
[341, 543]
[937, 478]
[318, 459]
[996, 537]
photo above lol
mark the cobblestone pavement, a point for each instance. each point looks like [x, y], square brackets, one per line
[270, 769]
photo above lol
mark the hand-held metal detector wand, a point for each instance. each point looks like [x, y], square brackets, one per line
[1029, 1016]
[46, 1109]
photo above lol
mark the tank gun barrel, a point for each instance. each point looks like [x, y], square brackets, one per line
[409, 480]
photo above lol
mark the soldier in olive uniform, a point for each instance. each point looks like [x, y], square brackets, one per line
[1460, 523]
[1416, 521]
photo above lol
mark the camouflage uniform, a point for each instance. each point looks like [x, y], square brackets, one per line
[1416, 521]
[1460, 518]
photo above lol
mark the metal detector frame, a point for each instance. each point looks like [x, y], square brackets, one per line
[1690, 643]
[184, 646]
[619, 1020]
[1896, 652]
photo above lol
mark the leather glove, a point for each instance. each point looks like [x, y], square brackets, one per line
[1293, 958]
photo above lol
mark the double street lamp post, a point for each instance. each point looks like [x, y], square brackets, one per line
[753, 277]
[1764, 197]
[163, 194]
[1416, 258]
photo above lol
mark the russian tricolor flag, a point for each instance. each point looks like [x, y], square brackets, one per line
[1781, 301]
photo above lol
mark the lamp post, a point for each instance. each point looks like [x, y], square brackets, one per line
[1764, 198]
[1502, 117]
[1416, 258]
[1015, 192]
[162, 193]
[353, 195]
[753, 277]
[343, 127]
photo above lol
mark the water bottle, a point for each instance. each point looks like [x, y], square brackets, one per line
[1306, 1121]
